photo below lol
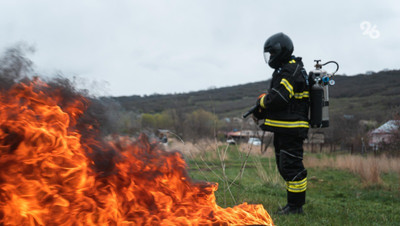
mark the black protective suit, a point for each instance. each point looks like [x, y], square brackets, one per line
[285, 110]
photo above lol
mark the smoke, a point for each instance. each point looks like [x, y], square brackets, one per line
[16, 67]
[99, 115]
[14, 64]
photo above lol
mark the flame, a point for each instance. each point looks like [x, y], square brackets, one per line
[53, 174]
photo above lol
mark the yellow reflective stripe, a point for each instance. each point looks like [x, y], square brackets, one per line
[298, 182]
[297, 189]
[302, 95]
[286, 124]
[292, 62]
[297, 186]
[262, 101]
[289, 87]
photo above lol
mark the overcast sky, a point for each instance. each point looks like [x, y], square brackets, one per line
[174, 46]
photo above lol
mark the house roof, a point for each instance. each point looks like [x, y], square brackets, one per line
[389, 127]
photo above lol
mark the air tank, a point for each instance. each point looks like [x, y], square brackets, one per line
[319, 98]
[316, 106]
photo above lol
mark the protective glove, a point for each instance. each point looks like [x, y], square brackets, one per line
[260, 100]
[260, 112]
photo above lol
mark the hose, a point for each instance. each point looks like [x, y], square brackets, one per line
[337, 66]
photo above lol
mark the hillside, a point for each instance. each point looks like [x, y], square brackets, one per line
[374, 96]
[367, 96]
[227, 101]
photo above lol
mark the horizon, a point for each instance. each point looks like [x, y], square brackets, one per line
[368, 73]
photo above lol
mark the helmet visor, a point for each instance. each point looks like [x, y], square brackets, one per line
[267, 56]
[271, 51]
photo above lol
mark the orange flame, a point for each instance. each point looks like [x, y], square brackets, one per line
[50, 173]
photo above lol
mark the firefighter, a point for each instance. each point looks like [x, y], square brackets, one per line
[285, 113]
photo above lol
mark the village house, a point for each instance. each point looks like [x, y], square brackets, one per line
[383, 134]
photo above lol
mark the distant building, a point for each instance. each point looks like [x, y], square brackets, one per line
[384, 133]
[246, 134]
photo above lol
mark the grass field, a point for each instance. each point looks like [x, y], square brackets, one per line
[334, 196]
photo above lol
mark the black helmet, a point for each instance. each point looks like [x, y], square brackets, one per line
[280, 48]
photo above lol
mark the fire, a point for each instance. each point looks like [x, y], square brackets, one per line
[55, 174]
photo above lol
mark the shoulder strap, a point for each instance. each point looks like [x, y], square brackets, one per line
[304, 73]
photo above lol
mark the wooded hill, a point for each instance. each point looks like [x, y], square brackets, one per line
[371, 97]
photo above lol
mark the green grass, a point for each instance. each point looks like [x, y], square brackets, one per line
[334, 197]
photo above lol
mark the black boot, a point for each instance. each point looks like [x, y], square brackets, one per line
[295, 203]
[286, 210]
[281, 208]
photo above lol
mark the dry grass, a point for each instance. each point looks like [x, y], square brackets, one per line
[209, 150]
[369, 168]
[210, 146]
[269, 176]
[196, 150]
[256, 150]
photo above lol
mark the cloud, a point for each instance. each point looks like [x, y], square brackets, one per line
[144, 47]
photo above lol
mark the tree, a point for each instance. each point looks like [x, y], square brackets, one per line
[147, 121]
[176, 117]
[128, 122]
[200, 124]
